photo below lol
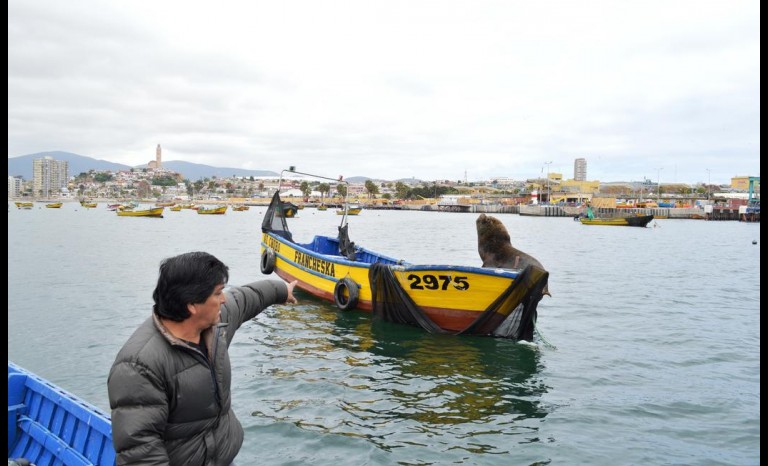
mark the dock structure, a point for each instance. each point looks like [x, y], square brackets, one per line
[742, 213]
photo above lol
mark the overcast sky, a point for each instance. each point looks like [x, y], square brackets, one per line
[447, 89]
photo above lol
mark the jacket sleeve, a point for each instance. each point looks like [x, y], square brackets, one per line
[246, 302]
[139, 415]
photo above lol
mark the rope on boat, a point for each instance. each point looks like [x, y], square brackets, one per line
[541, 336]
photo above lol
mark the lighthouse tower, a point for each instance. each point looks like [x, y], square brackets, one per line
[158, 157]
[534, 197]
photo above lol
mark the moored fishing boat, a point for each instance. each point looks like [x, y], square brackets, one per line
[54, 205]
[451, 299]
[635, 221]
[350, 210]
[156, 212]
[217, 210]
[24, 205]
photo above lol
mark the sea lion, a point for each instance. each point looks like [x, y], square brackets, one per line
[496, 250]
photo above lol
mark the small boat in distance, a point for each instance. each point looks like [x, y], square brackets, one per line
[156, 212]
[217, 210]
[48, 425]
[24, 205]
[240, 208]
[636, 221]
[322, 207]
[350, 210]
[54, 205]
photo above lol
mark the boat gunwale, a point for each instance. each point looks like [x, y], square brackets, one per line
[397, 265]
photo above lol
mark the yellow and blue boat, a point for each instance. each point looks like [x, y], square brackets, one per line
[439, 298]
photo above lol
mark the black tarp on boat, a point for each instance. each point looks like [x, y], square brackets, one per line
[273, 220]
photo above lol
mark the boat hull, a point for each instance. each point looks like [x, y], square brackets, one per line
[47, 425]
[214, 211]
[451, 297]
[636, 221]
[156, 212]
[350, 211]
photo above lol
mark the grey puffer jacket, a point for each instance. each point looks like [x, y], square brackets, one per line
[172, 406]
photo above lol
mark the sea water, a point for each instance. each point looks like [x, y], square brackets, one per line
[647, 351]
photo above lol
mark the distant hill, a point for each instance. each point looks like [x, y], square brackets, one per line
[22, 166]
[196, 171]
[363, 179]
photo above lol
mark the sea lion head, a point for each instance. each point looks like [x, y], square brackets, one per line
[492, 239]
[495, 247]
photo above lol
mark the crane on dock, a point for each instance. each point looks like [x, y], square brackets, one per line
[753, 200]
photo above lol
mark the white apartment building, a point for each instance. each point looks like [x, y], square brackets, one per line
[49, 176]
[14, 187]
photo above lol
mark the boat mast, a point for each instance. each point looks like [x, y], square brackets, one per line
[292, 169]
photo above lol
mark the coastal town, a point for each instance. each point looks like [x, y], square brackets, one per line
[550, 195]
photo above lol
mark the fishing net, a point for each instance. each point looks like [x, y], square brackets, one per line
[512, 315]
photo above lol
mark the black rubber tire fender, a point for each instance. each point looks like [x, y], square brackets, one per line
[346, 294]
[268, 261]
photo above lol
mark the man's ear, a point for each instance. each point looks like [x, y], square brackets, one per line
[192, 308]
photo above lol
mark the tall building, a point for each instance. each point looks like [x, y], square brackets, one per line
[14, 186]
[580, 169]
[158, 162]
[49, 176]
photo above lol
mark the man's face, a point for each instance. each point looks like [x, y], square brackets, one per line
[209, 312]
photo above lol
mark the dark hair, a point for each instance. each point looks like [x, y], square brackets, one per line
[188, 278]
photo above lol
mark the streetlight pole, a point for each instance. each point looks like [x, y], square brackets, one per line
[549, 194]
[658, 184]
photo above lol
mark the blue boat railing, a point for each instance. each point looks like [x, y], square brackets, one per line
[48, 425]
